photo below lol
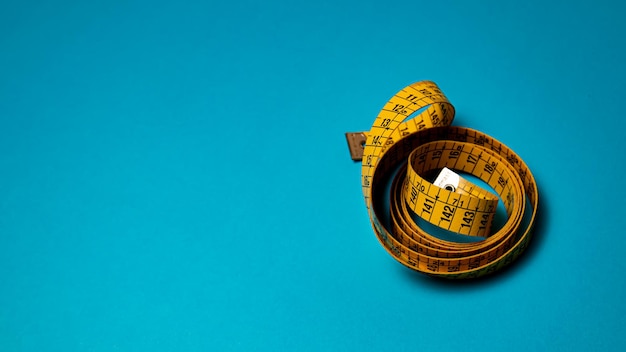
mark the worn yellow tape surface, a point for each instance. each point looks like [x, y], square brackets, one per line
[413, 132]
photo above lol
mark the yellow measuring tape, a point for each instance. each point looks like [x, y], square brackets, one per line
[412, 138]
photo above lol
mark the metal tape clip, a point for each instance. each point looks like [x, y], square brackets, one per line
[356, 143]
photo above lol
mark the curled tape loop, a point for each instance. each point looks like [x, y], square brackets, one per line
[413, 133]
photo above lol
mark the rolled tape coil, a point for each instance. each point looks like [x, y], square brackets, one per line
[412, 137]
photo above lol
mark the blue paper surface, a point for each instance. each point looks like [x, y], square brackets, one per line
[174, 175]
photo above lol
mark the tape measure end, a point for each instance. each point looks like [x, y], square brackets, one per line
[447, 179]
[356, 144]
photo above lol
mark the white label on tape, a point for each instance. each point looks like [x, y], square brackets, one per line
[447, 179]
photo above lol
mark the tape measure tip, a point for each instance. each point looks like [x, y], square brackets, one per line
[356, 144]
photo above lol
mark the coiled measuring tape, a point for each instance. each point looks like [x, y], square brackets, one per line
[413, 137]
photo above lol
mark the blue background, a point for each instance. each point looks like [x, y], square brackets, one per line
[174, 177]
